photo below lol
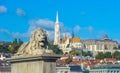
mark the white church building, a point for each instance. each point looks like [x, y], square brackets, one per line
[66, 44]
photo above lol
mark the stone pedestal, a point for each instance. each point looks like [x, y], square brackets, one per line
[34, 64]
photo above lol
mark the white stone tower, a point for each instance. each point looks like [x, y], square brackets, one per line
[57, 31]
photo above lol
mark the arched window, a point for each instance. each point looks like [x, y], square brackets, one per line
[105, 47]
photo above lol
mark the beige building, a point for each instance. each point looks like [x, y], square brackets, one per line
[104, 45]
[68, 44]
[106, 68]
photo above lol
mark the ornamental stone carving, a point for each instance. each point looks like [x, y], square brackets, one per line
[37, 45]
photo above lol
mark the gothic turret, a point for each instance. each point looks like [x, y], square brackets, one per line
[105, 37]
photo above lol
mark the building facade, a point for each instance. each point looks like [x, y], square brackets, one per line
[104, 45]
[70, 69]
[5, 67]
[65, 69]
[106, 68]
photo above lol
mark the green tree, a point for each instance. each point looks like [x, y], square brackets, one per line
[89, 53]
[15, 41]
[55, 49]
[68, 60]
[100, 55]
[11, 48]
[3, 49]
[84, 53]
[66, 52]
[15, 45]
[20, 42]
[115, 48]
[117, 55]
[67, 45]
[107, 55]
[73, 52]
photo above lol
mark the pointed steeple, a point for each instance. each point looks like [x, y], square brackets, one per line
[65, 37]
[72, 34]
[57, 21]
[57, 31]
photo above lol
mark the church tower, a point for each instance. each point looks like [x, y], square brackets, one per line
[57, 31]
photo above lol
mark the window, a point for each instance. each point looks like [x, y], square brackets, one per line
[105, 47]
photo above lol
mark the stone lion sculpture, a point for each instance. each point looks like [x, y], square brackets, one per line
[37, 45]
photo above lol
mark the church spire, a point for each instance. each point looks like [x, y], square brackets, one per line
[57, 31]
[72, 34]
[57, 21]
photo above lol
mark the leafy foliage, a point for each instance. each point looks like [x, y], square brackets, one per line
[83, 53]
[15, 45]
[67, 45]
[107, 55]
[115, 48]
[3, 49]
[117, 55]
[68, 60]
[11, 48]
[88, 53]
[100, 55]
[55, 49]
[73, 52]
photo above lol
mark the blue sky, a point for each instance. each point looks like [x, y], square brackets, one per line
[89, 19]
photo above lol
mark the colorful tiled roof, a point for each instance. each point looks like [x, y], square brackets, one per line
[73, 40]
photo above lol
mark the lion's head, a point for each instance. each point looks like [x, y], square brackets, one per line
[37, 45]
[40, 37]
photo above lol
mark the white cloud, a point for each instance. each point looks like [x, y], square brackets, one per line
[77, 28]
[3, 9]
[20, 12]
[46, 24]
[4, 31]
[19, 35]
[90, 29]
[41, 23]
[50, 35]
[14, 34]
